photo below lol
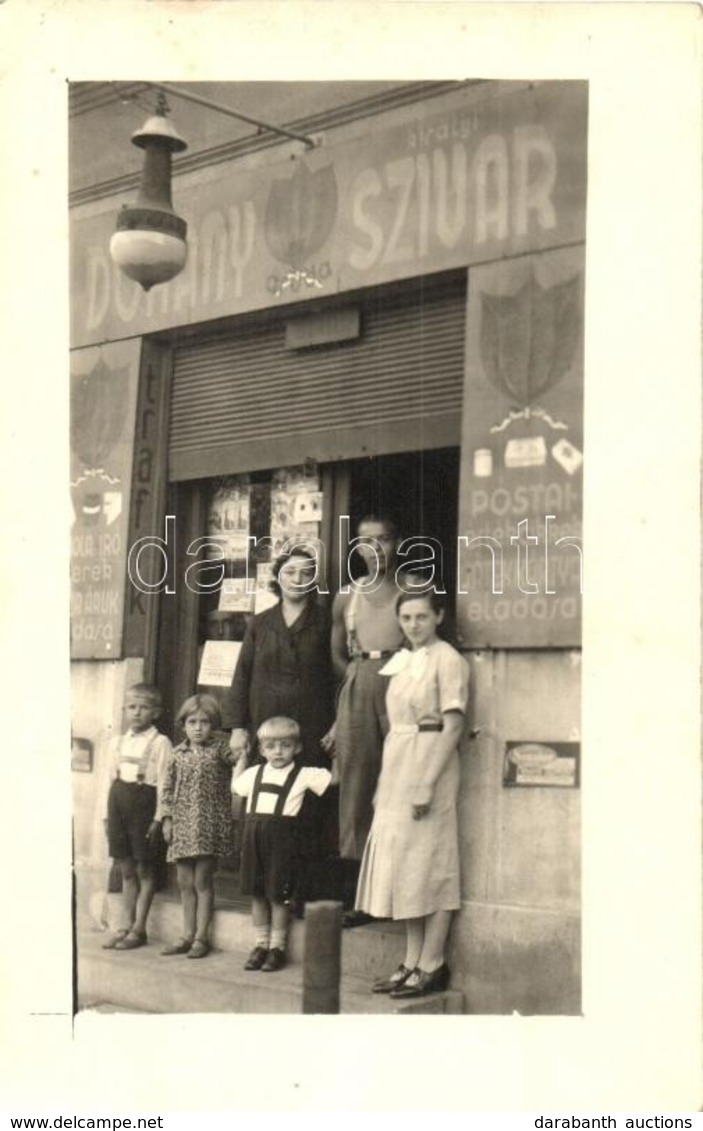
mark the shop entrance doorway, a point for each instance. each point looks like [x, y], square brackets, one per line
[420, 490]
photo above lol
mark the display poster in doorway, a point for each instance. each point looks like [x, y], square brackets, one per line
[264, 597]
[520, 550]
[236, 596]
[296, 506]
[218, 661]
[228, 519]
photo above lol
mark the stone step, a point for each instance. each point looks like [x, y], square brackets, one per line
[145, 981]
[369, 951]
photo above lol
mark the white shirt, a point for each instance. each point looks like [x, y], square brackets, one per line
[310, 777]
[127, 755]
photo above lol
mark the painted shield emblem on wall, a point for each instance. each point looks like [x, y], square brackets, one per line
[300, 214]
[528, 340]
[98, 413]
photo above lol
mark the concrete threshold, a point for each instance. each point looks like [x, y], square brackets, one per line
[144, 981]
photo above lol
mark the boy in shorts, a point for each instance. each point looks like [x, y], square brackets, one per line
[138, 760]
[274, 791]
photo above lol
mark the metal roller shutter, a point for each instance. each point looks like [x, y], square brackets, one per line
[243, 402]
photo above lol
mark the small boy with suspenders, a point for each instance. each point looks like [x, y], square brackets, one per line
[274, 791]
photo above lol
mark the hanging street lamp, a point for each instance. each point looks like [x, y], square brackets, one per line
[149, 243]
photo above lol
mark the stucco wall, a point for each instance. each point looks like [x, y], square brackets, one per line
[516, 943]
[97, 694]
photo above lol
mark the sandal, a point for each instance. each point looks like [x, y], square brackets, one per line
[180, 947]
[199, 949]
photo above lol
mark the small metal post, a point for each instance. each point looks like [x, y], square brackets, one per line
[322, 957]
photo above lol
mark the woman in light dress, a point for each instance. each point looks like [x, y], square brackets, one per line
[410, 866]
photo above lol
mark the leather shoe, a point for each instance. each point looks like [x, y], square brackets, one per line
[423, 983]
[275, 960]
[355, 919]
[131, 941]
[180, 947]
[111, 943]
[396, 979]
[256, 959]
[199, 949]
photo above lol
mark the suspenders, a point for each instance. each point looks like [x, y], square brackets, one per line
[350, 624]
[354, 649]
[264, 787]
[143, 758]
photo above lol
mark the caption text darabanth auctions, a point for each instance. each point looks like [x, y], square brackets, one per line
[601, 1122]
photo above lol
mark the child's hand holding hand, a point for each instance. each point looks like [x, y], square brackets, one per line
[153, 830]
[167, 829]
[239, 743]
[240, 760]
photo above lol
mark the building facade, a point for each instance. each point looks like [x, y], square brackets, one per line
[392, 319]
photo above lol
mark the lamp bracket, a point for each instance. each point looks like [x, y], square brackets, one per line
[179, 92]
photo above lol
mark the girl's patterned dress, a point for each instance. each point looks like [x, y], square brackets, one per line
[196, 794]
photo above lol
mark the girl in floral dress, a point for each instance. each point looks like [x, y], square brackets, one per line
[195, 805]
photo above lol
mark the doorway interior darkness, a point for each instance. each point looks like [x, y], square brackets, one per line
[419, 489]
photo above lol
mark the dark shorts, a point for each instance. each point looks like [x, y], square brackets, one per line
[269, 866]
[130, 810]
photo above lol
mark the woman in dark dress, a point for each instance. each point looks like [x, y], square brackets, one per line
[285, 669]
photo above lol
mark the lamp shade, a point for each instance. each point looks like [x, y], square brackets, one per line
[149, 244]
[148, 256]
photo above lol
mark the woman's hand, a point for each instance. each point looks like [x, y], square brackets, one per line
[167, 829]
[327, 740]
[240, 762]
[422, 801]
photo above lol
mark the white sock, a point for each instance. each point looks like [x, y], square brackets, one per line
[278, 939]
[261, 937]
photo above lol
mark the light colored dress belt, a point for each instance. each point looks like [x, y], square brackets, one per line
[415, 728]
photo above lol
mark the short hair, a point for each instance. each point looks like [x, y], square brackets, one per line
[438, 601]
[384, 518]
[282, 722]
[282, 559]
[145, 691]
[205, 703]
